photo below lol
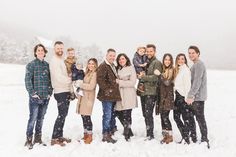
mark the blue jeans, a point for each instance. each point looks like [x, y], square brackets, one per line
[37, 108]
[63, 107]
[108, 119]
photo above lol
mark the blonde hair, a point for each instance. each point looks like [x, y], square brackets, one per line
[176, 70]
[141, 47]
[70, 49]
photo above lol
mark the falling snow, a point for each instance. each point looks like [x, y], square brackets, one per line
[220, 115]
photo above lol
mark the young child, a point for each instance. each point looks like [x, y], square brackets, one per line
[77, 76]
[69, 62]
[140, 63]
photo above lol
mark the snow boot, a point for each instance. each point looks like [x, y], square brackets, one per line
[169, 139]
[63, 139]
[57, 141]
[29, 143]
[164, 134]
[38, 139]
[107, 138]
[88, 139]
[85, 136]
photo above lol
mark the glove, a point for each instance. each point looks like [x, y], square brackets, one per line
[157, 72]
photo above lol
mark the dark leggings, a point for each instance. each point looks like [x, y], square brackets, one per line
[126, 120]
[187, 125]
[165, 121]
[87, 122]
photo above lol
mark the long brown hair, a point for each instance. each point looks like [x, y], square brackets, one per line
[168, 72]
[128, 63]
[96, 65]
[176, 71]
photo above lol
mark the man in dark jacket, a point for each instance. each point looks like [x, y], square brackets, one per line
[108, 94]
[38, 85]
[148, 97]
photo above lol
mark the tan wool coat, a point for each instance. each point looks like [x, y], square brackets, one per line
[127, 80]
[86, 102]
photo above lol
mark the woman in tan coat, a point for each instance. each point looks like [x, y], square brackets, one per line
[126, 81]
[86, 102]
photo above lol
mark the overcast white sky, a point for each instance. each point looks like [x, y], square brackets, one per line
[170, 24]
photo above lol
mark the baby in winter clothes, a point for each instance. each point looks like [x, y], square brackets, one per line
[69, 62]
[140, 62]
[78, 76]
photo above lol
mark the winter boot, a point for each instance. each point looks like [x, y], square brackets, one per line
[38, 139]
[63, 139]
[107, 138]
[88, 139]
[85, 136]
[126, 133]
[57, 141]
[141, 87]
[164, 134]
[169, 139]
[29, 143]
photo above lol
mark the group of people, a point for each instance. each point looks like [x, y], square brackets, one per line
[162, 86]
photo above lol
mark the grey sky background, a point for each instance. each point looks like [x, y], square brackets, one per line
[125, 25]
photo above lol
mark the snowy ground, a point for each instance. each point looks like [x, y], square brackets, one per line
[220, 115]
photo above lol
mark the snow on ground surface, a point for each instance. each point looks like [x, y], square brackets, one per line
[220, 111]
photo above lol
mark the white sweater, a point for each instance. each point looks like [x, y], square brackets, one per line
[183, 81]
[61, 82]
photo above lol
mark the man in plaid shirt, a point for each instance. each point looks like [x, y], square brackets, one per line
[38, 85]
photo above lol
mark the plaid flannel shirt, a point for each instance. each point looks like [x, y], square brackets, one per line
[37, 78]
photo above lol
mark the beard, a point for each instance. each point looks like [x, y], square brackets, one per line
[59, 53]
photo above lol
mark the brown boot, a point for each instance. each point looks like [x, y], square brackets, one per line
[164, 134]
[88, 139]
[29, 143]
[107, 138]
[57, 141]
[85, 136]
[164, 139]
[38, 139]
[63, 139]
[169, 139]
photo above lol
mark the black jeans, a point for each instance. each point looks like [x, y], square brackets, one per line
[63, 107]
[198, 110]
[126, 120]
[165, 121]
[87, 123]
[188, 125]
[148, 104]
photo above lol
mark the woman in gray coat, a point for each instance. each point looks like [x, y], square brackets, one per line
[126, 80]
